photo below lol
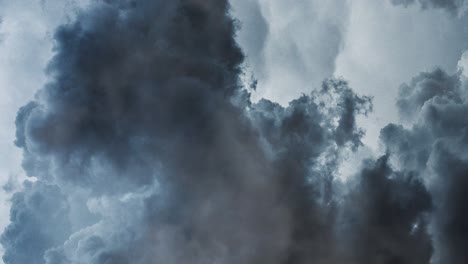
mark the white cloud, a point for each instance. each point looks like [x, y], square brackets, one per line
[373, 44]
[463, 64]
[299, 43]
[387, 45]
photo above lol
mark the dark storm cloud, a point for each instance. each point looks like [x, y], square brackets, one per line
[105, 71]
[146, 148]
[144, 128]
[435, 149]
[453, 6]
[384, 217]
[306, 139]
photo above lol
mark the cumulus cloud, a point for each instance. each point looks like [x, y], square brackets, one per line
[146, 148]
[39, 220]
[145, 132]
[432, 148]
[423, 87]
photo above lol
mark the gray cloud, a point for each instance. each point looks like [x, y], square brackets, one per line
[146, 148]
[432, 148]
[453, 6]
[384, 217]
[423, 87]
[145, 130]
[39, 220]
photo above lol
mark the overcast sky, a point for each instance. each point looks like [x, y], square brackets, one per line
[291, 47]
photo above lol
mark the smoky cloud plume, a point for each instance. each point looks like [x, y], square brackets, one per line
[145, 148]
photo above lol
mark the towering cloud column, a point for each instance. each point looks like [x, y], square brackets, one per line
[146, 149]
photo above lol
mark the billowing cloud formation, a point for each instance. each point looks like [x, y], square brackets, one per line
[433, 148]
[424, 87]
[453, 6]
[39, 218]
[151, 146]
[146, 148]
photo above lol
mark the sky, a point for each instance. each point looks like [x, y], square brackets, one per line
[242, 131]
